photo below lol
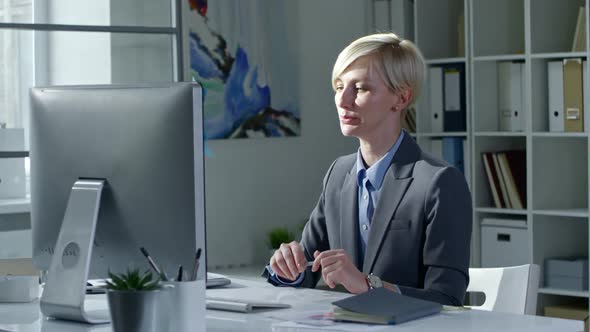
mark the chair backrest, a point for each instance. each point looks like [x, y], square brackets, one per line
[507, 289]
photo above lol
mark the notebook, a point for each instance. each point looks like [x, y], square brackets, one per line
[383, 306]
[239, 305]
[245, 299]
[217, 280]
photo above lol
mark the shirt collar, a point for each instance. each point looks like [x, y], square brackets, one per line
[376, 173]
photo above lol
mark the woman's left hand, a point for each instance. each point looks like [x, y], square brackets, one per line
[338, 268]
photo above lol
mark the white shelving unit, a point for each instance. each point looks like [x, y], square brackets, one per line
[557, 173]
[441, 45]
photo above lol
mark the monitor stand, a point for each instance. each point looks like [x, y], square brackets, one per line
[65, 288]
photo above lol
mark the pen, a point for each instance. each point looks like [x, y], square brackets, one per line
[161, 273]
[196, 267]
[179, 277]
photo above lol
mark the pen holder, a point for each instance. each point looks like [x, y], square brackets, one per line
[186, 309]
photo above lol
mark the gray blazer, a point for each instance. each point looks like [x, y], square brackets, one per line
[421, 228]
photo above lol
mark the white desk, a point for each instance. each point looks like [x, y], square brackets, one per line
[15, 205]
[26, 317]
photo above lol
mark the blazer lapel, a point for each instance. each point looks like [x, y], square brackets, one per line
[349, 232]
[395, 184]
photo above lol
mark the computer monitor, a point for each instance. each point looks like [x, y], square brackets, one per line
[144, 143]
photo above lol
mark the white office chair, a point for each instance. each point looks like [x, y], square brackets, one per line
[507, 289]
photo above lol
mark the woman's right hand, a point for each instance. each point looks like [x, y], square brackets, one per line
[288, 261]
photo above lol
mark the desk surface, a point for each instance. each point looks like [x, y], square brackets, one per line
[15, 205]
[26, 317]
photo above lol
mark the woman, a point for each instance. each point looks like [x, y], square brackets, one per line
[390, 215]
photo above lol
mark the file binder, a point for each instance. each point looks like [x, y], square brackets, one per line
[435, 83]
[510, 95]
[454, 97]
[573, 100]
[452, 150]
[586, 87]
[555, 95]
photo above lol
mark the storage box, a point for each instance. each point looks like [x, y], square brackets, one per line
[567, 311]
[19, 280]
[16, 289]
[504, 242]
[567, 273]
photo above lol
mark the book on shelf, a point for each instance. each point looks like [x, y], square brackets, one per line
[409, 120]
[493, 179]
[503, 190]
[579, 40]
[513, 165]
[506, 175]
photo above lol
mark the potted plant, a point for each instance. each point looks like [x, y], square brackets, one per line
[133, 300]
[278, 235]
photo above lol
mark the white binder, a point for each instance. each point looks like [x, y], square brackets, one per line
[510, 96]
[436, 148]
[435, 83]
[555, 95]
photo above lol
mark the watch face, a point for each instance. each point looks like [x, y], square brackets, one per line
[375, 281]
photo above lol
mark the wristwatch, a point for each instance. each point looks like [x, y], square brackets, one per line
[374, 281]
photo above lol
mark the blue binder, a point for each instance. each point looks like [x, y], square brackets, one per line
[452, 152]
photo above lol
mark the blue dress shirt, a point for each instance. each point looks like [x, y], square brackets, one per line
[369, 183]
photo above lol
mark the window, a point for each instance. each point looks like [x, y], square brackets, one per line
[74, 42]
[68, 42]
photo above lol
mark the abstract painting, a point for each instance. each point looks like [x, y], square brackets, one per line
[233, 55]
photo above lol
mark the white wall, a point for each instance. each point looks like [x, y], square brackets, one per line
[392, 15]
[253, 185]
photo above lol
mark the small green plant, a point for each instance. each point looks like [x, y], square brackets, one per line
[133, 280]
[301, 226]
[279, 235]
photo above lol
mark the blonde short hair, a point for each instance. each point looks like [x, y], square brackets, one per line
[398, 61]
